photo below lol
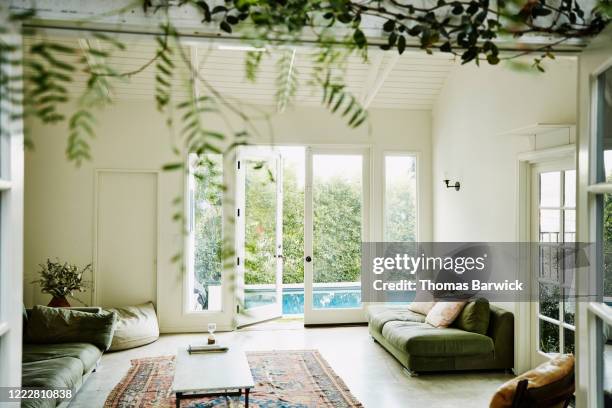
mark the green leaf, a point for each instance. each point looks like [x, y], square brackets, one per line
[59, 48]
[401, 44]
[389, 26]
[172, 166]
[492, 59]
[359, 38]
[219, 9]
[446, 47]
[338, 103]
[108, 39]
[226, 27]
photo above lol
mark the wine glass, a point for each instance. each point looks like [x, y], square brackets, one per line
[211, 330]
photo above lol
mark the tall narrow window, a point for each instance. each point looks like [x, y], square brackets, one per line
[206, 231]
[400, 224]
[556, 224]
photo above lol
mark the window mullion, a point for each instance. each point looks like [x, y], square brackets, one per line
[561, 275]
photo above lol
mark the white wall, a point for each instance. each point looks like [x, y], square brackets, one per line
[59, 207]
[476, 105]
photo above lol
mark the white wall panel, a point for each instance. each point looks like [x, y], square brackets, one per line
[125, 256]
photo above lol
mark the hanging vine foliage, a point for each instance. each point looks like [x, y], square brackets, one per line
[468, 29]
[471, 30]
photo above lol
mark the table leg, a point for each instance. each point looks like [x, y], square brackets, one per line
[178, 400]
[246, 398]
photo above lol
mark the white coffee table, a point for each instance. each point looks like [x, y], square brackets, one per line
[212, 374]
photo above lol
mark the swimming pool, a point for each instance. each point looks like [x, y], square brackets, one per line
[293, 298]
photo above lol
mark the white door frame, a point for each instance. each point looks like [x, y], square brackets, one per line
[11, 227]
[314, 316]
[523, 311]
[568, 163]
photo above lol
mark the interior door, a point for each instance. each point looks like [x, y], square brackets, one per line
[259, 229]
[336, 222]
[553, 220]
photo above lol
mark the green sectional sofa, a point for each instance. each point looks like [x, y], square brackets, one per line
[420, 347]
[62, 347]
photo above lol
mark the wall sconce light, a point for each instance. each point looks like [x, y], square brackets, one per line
[456, 186]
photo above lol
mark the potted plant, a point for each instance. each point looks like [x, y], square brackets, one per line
[61, 280]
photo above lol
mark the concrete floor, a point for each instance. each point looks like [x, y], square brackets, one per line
[373, 375]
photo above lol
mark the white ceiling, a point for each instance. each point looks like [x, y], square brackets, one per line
[410, 81]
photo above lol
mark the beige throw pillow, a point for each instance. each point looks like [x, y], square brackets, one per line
[421, 307]
[442, 314]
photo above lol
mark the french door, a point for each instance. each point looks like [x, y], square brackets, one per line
[259, 228]
[553, 217]
[594, 314]
[336, 222]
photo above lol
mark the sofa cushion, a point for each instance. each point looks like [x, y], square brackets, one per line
[421, 307]
[443, 314]
[38, 403]
[378, 316]
[474, 317]
[54, 325]
[136, 326]
[421, 339]
[62, 372]
[87, 353]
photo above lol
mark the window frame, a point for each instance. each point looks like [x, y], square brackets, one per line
[11, 227]
[417, 170]
[597, 312]
[558, 321]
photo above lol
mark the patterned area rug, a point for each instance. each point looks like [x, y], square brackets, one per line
[287, 379]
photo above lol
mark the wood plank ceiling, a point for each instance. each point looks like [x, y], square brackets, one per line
[411, 81]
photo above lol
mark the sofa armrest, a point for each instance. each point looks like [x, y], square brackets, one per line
[501, 330]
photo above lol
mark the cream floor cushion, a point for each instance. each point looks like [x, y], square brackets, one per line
[136, 326]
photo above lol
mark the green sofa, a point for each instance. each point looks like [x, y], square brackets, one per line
[62, 348]
[420, 347]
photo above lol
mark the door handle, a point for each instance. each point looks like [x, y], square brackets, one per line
[308, 258]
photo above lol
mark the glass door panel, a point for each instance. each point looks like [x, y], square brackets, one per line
[259, 234]
[336, 207]
[206, 232]
[337, 211]
[554, 206]
[400, 198]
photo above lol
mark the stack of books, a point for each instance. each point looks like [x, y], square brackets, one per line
[206, 348]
